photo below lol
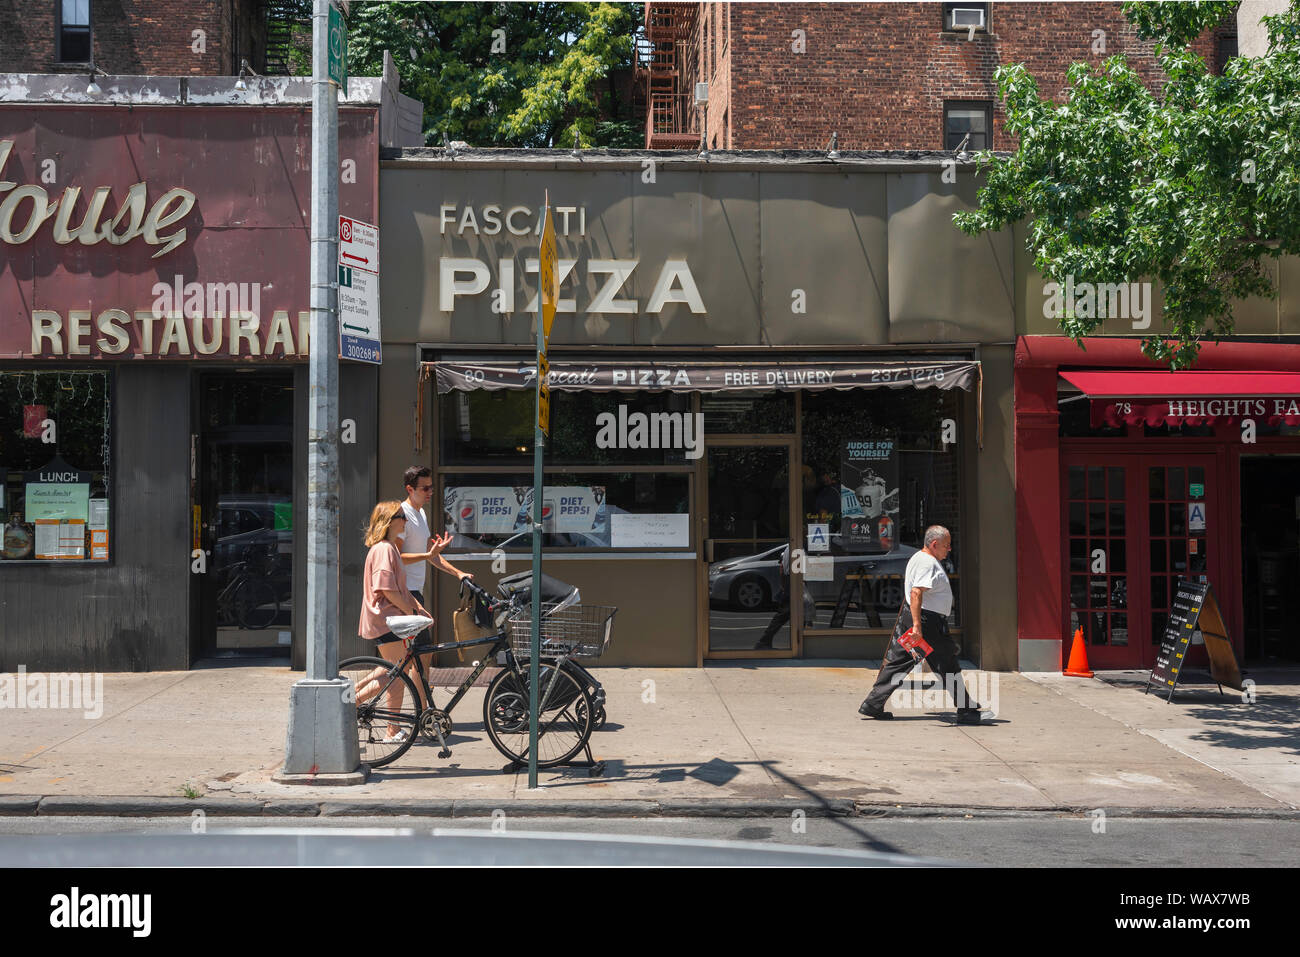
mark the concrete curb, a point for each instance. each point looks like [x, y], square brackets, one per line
[939, 811]
[30, 805]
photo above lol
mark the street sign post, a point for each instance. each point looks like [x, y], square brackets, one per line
[358, 272]
[338, 49]
[548, 290]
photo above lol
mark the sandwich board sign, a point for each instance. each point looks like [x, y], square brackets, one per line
[1194, 606]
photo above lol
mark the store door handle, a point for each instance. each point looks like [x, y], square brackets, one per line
[708, 550]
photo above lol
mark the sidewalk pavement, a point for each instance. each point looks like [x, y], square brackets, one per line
[731, 738]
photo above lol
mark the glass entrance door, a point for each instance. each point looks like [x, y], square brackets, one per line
[1134, 525]
[747, 532]
[245, 497]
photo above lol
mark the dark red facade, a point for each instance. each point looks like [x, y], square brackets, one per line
[1130, 496]
[228, 189]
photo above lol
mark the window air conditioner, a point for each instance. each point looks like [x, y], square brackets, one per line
[964, 18]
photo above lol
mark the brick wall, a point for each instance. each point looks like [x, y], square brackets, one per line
[149, 37]
[879, 73]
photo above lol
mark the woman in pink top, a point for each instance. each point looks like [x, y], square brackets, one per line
[384, 593]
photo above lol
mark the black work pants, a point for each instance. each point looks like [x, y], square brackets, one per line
[942, 661]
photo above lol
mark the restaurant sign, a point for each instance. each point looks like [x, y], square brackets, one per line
[1201, 410]
[667, 376]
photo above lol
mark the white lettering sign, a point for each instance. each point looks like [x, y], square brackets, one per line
[26, 208]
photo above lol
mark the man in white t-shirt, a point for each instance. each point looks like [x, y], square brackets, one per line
[419, 549]
[929, 602]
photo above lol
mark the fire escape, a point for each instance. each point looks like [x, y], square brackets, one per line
[665, 78]
[280, 18]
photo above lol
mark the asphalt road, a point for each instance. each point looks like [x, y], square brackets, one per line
[1018, 842]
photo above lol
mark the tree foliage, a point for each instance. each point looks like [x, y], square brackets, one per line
[505, 74]
[1197, 186]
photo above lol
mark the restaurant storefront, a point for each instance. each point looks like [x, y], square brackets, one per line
[153, 376]
[1131, 477]
[747, 358]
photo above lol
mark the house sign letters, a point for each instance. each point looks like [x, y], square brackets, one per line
[19, 222]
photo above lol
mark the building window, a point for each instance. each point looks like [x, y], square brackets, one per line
[1225, 51]
[876, 474]
[968, 117]
[74, 31]
[580, 510]
[960, 17]
[600, 491]
[54, 465]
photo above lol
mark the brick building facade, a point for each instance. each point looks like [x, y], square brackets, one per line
[134, 37]
[881, 75]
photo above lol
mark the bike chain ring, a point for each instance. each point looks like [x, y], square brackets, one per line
[443, 720]
[503, 705]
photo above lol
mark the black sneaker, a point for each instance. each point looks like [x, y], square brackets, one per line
[880, 714]
[968, 715]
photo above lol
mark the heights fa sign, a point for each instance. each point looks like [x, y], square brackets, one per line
[25, 209]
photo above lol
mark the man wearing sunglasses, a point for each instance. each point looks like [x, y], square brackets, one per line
[419, 549]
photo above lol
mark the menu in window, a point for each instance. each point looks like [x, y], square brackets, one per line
[72, 539]
[57, 501]
[630, 530]
[57, 539]
[98, 526]
[47, 539]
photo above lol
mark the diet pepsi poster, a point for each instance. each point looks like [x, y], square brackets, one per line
[869, 495]
[569, 509]
[477, 510]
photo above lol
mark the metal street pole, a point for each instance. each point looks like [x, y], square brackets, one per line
[322, 735]
[538, 499]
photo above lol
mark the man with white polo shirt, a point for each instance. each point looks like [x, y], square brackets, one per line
[418, 550]
[928, 604]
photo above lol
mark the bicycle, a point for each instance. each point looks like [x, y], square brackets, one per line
[570, 700]
[248, 599]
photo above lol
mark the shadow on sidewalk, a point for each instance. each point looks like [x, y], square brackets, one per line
[1271, 721]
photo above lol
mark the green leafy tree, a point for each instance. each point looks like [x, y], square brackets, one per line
[1196, 186]
[506, 74]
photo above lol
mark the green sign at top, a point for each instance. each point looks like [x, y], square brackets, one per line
[338, 69]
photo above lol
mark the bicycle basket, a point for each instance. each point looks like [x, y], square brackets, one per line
[581, 630]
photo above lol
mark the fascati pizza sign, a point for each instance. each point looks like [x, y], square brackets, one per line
[182, 319]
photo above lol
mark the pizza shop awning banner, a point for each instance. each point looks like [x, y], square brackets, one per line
[1189, 398]
[607, 375]
[610, 375]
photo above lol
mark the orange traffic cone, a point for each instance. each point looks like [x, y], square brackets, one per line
[1078, 666]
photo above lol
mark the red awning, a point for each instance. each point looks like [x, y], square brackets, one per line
[1165, 385]
[1194, 398]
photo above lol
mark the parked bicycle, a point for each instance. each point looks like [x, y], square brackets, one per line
[248, 598]
[571, 701]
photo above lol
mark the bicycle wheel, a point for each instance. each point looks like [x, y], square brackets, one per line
[563, 724]
[255, 603]
[374, 716]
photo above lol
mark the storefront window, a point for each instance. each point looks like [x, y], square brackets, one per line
[742, 413]
[879, 468]
[55, 463]
[588, 510]
[587, 428]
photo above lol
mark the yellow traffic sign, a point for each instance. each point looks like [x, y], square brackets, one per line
[549, 267]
